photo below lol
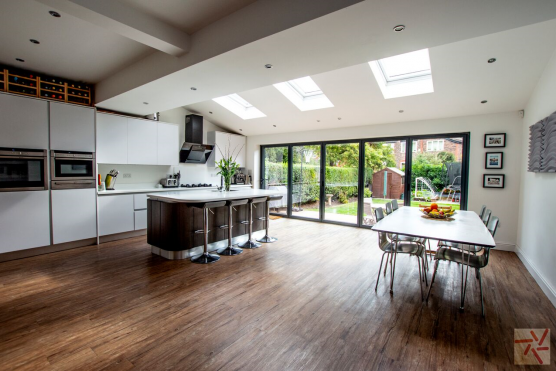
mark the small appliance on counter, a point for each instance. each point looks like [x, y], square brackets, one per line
[171, 181]
[200, 185]
[110, 180]
[239, 178]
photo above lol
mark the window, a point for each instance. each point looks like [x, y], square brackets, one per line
[239, 106]
[402, 165]
[304, 93]
[435, 145]
[415, 145]
[402, 147]
[404, 75]
[391, 145]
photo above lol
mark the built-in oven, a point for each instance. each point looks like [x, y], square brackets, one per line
[22, 170]
[67, 165]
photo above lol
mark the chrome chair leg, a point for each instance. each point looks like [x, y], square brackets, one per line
[267, 238]
[420, 278]
[205, 257]
[250, 243]
[432, 279]
[393, 268]
[379, 270]
[231, 250]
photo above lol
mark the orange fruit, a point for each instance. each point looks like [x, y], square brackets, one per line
[434, 206]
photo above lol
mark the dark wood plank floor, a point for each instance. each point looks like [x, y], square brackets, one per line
[306, 302]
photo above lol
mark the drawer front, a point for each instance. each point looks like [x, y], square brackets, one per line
[140, 201]
[140, 219]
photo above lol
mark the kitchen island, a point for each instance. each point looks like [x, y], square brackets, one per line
[172, 221]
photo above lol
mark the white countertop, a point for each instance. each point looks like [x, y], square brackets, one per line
[211, 196]
[131, 188]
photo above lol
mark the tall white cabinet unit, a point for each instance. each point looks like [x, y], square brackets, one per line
[23, 122]
[74, 214]
[226, 142]
[24, 220]
[72, 128]
[125, 140]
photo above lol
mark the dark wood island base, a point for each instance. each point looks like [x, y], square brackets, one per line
[171, 227]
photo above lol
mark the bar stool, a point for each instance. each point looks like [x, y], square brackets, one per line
[266, 218]
[231, 250]
[205, 257]
[250, 243]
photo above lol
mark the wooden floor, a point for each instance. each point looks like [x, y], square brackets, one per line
[306, 302]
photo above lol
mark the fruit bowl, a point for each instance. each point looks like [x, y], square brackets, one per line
[438, 214]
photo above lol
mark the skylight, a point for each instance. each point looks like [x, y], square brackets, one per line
[239, 106]
[404, 75]
[304, 93]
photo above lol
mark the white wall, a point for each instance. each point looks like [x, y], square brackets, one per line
[536, 241]
[503, 202]
[151, 174]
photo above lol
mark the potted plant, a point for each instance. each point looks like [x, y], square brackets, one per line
[228, 166]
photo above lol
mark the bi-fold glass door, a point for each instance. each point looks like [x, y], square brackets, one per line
[344, 182]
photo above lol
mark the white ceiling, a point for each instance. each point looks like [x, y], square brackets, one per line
[461, 75]
[69, 47]
[188, 15]
[344, 38]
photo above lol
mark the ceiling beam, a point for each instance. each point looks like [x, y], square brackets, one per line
[126, 21]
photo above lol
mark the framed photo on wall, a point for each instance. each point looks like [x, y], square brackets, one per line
[493, 180]
[494, 160]
[495, 140]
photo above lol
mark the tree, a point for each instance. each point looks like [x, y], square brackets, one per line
[445, 157]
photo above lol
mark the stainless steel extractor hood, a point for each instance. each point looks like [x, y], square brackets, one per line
[192, 150]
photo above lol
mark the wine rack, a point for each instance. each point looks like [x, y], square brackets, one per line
[46, 87]
[3, 73]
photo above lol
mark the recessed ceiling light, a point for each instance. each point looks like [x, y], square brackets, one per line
[318, 120]
[210, 112]
[54, 14]
[145, 102]
[339, 118]
[484, 101]
[274, 125]
[35, 41]
[193, 88]
[20, 60]
[492, 60]
[268, 66]
[240, 129]
[401, 111]
[399, 28]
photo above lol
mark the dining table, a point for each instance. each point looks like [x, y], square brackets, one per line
[464, 227]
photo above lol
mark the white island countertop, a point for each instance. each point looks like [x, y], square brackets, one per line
[212, 196]
[148, 188]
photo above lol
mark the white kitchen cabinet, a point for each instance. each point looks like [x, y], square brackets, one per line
[23, 122]
[72, 128]
[168, 144]
[139, 201]
[115, 214]
[24, 220]
[226, 142]
[140, 219]
[111, 139]
[142, 142]
[74, 214]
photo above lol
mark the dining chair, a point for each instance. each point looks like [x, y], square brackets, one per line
[394, 205]
[389, 208]
[470, 260]
[483, 209]
[486, 216]
[394, 247]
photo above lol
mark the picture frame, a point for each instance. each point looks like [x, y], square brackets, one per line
[495, 140]
[494, 180]
[494, 160]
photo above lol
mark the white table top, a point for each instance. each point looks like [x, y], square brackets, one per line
[466, 227]
[211, 196]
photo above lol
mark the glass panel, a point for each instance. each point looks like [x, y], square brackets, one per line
[341, 182]
[16, 173]
[436, 172]
[276, 176]
[384, 176]
[73, 168]
[306, 181]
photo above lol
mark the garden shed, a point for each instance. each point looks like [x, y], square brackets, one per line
[388, 183]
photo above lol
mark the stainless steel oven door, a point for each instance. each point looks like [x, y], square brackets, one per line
[22, 170]
[72, 166]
